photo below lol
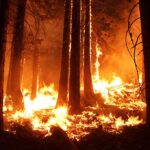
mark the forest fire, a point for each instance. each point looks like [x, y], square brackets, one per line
[74, 74]
[41, 113]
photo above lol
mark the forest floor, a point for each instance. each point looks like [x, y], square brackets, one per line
[133, 138]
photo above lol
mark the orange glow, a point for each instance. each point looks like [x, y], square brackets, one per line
[41, 113]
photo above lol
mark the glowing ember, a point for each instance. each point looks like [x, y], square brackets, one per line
[42, 116]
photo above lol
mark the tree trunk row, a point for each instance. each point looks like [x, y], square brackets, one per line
[80, 41]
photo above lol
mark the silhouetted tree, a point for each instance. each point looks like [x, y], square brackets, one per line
[14, 81]
[63, 82]
[74, 87]
[88, 87]
[3, 24]
[145, 22]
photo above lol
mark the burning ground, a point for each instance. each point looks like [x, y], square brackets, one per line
[116, 119]
[117, 105]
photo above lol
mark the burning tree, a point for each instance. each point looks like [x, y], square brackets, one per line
[35, 72]
[40, 10]
[14, 81]
[63, 81]
[88, 87]
[3, 24]
[36, 56]
[75, 58]
[74, 87]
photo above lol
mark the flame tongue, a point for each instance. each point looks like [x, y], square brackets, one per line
[43, 116]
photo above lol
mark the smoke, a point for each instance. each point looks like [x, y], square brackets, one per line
[50, 14]
[110, 23]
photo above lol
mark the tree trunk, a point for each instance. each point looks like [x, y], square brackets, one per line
[88, 87]
[63, 82]
[35, 63]
[145, 22]
[82, 32]
[74, 88]
[3, 24]
[16, 56]
[35, 72]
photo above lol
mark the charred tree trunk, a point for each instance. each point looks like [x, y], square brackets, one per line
[145, 21]
[3, 25]
[63, 82]
[88, 87]
[15, 64]
[74, 87]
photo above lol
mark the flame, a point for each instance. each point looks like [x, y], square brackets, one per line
[41, 113]
[117, 92]
[46, 99]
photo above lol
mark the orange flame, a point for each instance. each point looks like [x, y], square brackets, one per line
[41, 112]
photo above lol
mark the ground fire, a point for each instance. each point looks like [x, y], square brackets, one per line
[73, 73]
[41, 113]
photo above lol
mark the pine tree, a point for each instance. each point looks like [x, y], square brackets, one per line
[74, 86]
[88, 87]
[63, 82]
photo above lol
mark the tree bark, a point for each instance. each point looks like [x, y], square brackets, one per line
[82, 32]
[16, 56]
[3, 25]
[88, 87]
[74, 87]
[63, 82]
[145, 23]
